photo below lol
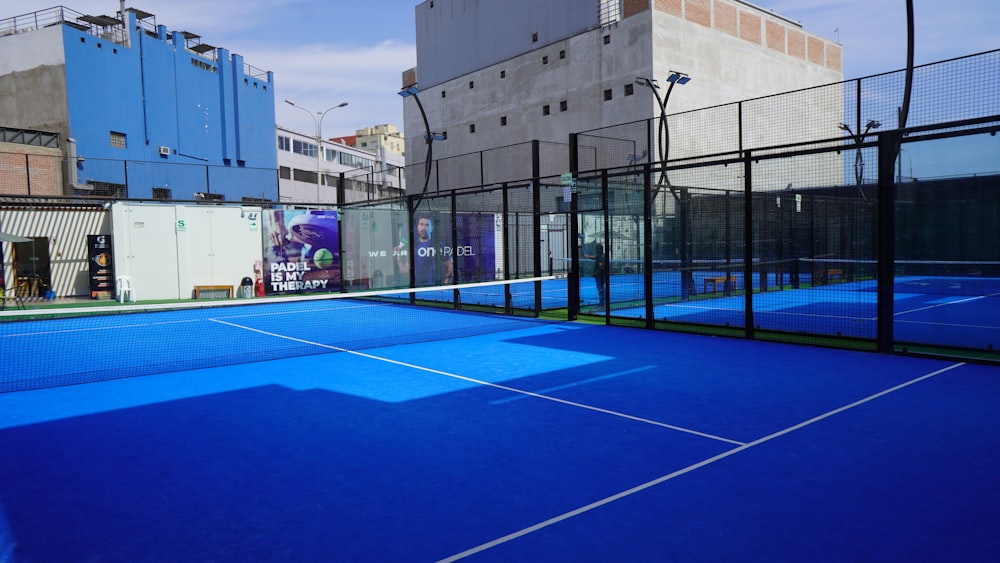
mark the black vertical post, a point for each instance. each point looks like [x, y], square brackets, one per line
[607, 244]
[27, 171]
[536, 222]
[727, 286]
[341, 191]
[888, 150]
[457, 298]
[409, 251]
[748, 250]
[573, 285]
[647, 242]
[508, 299]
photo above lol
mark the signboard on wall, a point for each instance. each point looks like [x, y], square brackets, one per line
[301, 251]
[102, 268]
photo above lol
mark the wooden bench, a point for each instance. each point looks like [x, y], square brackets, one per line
[15, 294]
[213, 292]
[714, 282]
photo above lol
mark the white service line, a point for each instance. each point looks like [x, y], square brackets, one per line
[688, 469]
[486, 383]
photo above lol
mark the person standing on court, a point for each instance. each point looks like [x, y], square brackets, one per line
[600, 272]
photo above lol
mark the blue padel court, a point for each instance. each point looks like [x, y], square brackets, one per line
[519, 440]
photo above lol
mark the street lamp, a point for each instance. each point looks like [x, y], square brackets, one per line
[859, 161]
[684, 198]
[663, 131]
[429, 136]
[318, 121]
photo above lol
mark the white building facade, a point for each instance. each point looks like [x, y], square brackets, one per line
[492, 74]
[310, 175]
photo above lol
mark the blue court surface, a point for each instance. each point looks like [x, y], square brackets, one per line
[547, 442]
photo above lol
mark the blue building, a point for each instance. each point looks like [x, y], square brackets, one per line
[142, 112]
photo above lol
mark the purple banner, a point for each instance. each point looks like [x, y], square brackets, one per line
[301, 252]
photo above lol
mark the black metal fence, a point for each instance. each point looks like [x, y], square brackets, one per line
[795, 217]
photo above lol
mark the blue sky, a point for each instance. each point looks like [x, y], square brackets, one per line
[324, 52]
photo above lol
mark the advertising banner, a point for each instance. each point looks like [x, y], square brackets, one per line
[375, 248]
[102, 268]
[301, 251]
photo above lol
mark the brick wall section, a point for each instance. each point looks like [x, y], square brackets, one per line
[409, 77]
[814, 48]
[29, 170]
[833, 57]
[797, 44]
[739, 21]
[725, 18]
[672, 7]
[633, 7]
[698, 11]
[750, 27]
[775, 34]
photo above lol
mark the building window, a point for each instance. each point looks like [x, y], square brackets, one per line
[607, 95]
[607, 39]
[472, 128]
[285, 173]
[563, 105]
[628, 89]
[562, 54]
[503, 74]
[443, 93]
[117, 140]
[503, 121]
[162, 194]
[304, 148]
[545, 110]
[284, 144]
[472, 85]
[609, 12]
[545, 60]
[534, 38]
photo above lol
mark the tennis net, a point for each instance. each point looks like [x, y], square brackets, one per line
[65, 346]
[947, 277]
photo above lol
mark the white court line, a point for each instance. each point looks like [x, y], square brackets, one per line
[935, 306]
[486, 383]
[688, 469]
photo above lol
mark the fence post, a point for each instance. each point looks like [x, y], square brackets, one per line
[888, 150]
[573, 285]
[748, 245]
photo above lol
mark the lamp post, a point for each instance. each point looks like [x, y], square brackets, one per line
[429, 136]
[859, 161]
[663, 131]
[318, 121]
[684, 198]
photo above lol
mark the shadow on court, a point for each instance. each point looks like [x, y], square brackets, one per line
[535, 441]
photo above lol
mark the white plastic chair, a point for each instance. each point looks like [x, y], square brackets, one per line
[125, 290]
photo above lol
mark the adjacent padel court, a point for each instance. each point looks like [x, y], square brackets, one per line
[345, 430]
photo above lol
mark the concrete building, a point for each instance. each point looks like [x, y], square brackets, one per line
[141, 112]
[385, 137]
[365, 173]
[492, 74]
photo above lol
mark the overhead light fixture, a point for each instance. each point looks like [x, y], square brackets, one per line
[409, 91]
[678, 77]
